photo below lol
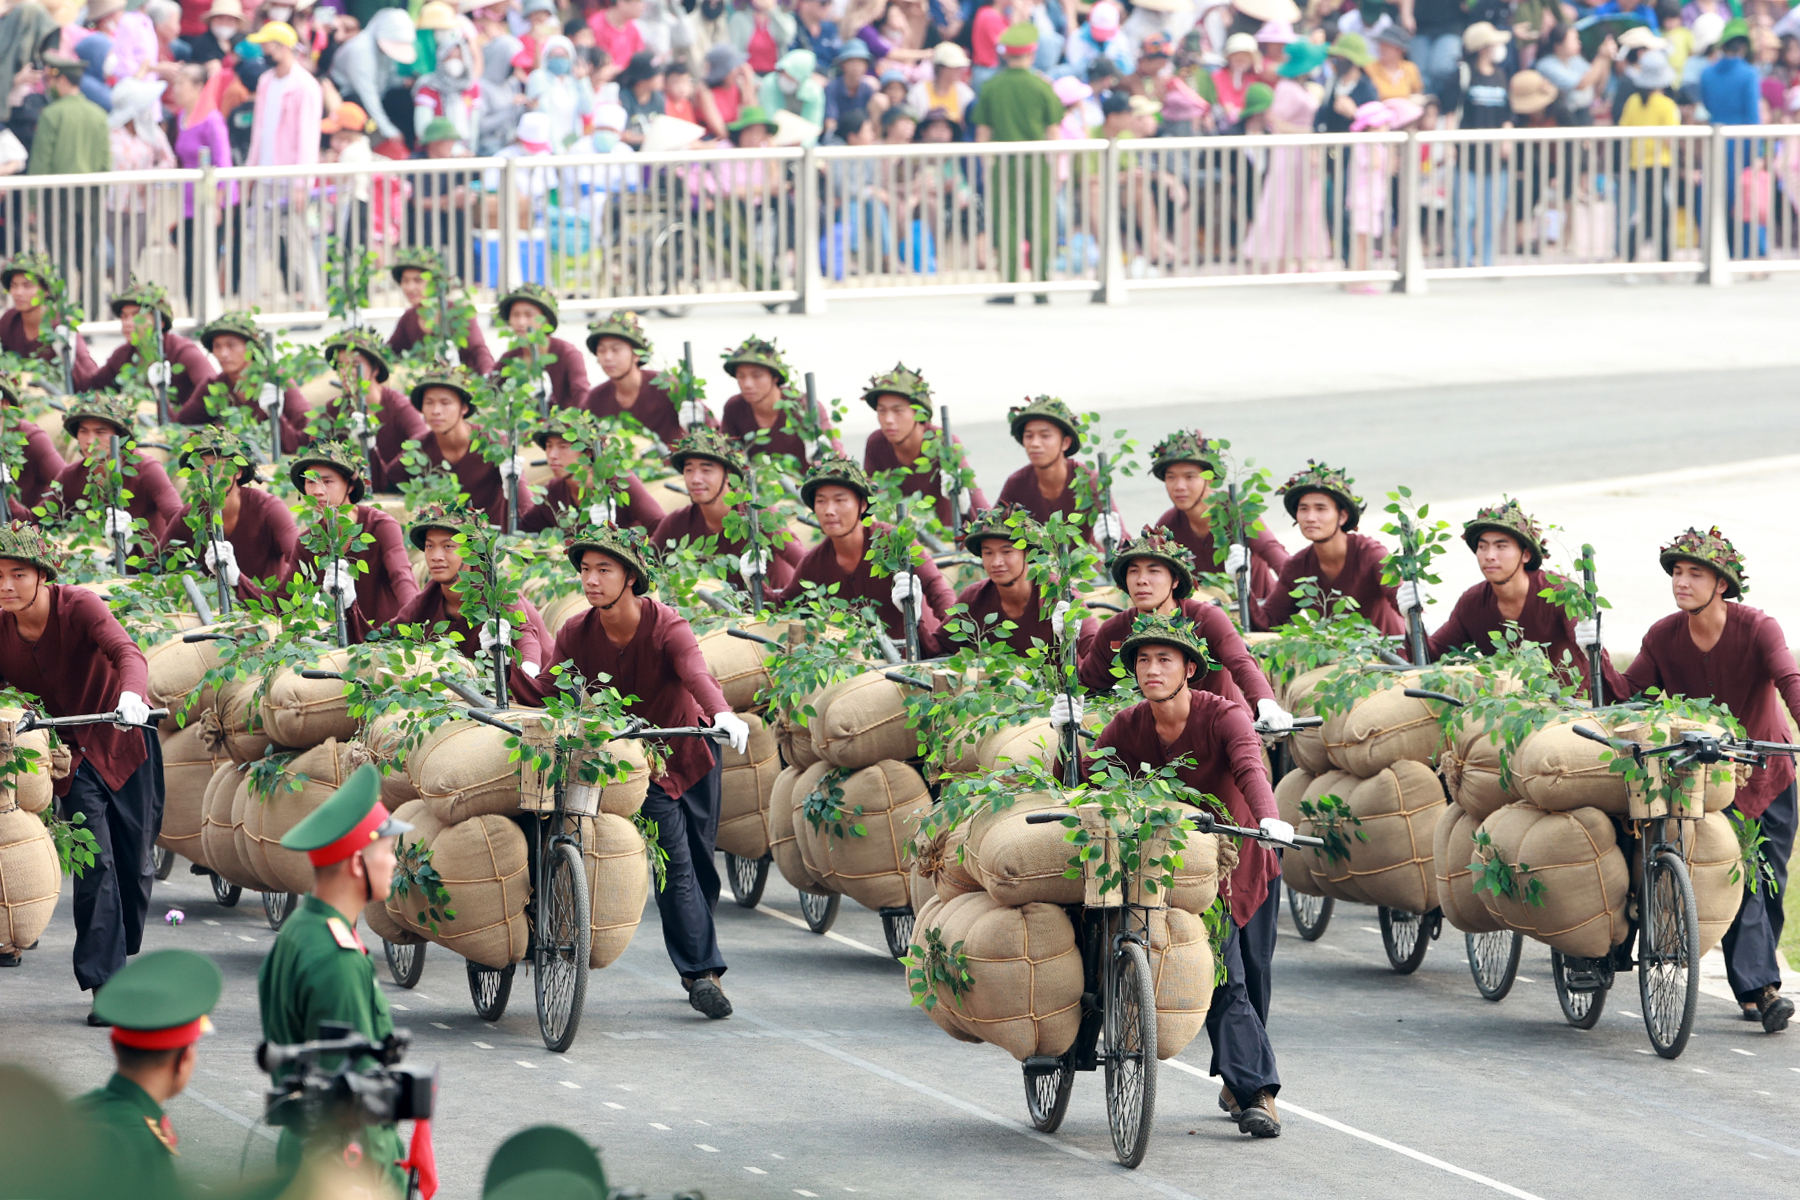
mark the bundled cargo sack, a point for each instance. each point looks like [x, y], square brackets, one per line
[30, 879]
[1716, 785]
[1307, 746]
[1557, 770]
[33, 786]
[1296, 867]
[746, 784]
[230, 725]
[557, 613]
[863, 721]
[383, 740]
[1026, 971]
[943, 1012]
[302, 713]
[1383, 728]
[1471, 768]
[465, 769]
[318, 773]
[404, 904]
[246, 808]
[177, 667]
[784, 844]
[1576, 857]
[482, 861]
[1181, 971]
[1716, 868]
[794, 731]
[1017, 745]
[612, 850]
[188, 768]
[739, 663]
[1019, 863]
[1452, 850]
[1391, 862]
[886, 801]
[1331, 876]
[218, 844]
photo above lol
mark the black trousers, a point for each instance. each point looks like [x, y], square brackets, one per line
[686, 827]
[1237, 1021]
[112, 897]
[1750, 943]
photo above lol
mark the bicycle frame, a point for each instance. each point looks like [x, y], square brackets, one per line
[1103, 931]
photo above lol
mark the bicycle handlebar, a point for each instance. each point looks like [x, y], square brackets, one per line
[1423, 694]
[201, 635]
[734, 631]
[1204, 823]
[315, 673]
[32, 721]
[477, 714]
[1299, 724]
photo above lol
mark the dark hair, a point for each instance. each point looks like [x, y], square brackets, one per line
[593, 56]
[852, 122]
[676, 68]
[131, 1058]
[1559, 31]
[894, 116]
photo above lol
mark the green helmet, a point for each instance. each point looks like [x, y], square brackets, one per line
[340, 457]
[1006, 522]
[1317, 477]
[1508, 518]
[1710, 549]
[531, 293]
[116, 410]
[1045, 408]
[24, 542]
[454, 518]
[363, 342]
[571, 424]
[630, 545]
[458, 379]
[756, 352]
[31, 263]
[838, 470]
[901, 381]
[145, 295]
[1158, 544]
[622, 325]
[1173, 630]
[1182, 446]
[416, 258]
[703, 441]
[239, 324]
[219, 442]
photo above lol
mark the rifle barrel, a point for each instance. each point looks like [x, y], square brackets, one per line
[1415, 620]
[1596, 677]
[1242, 538]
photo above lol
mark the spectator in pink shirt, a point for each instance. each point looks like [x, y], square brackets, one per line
[285, 133]
[616, 32]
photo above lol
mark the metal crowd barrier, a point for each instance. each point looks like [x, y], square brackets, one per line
[808, 227]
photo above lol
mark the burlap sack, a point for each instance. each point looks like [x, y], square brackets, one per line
[1026, 995]
[795, 741]
[623, 797]
[1576, 857]
[1712, 858]
[1399, 809]
[738, 663]
[463, 769]
[1556, 769]
[618, 881]
[229, 725]
[1717, 784]
[176, 668]
[1332, 877]
[956, 873]
[188, 767]
[224, 775]
[784, 845]
[382, 740]
[1307, 746]
[1382, 729]
[404, 911]
[482, 861]
[1194, 885]
[863, 721]
[381, 922]
[943, 1014]
[218, 848]
[1296, 865]
[319, 772]
[1181, 970]
[30, 879]
[1452, 850]
[746, 783]
[34, 786]
[887, 800]
[558, 612]
[244, 809]
[1017, 745]
[1470, 765]
[302, 713]
[1018, 863]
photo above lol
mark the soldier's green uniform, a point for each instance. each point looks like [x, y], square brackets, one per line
[320, 971]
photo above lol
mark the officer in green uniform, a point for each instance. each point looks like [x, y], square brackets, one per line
[544, 1162]
[319, 969]
[1018, 105]
[157, 1006]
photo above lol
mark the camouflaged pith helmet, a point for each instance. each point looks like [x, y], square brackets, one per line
[758, 352]
[1152, 629]
[363, 342]
[118, 411]
[24, 542]
[1508, 518]
[572, 425]
[458, 379]
[901, 381]
[31, 263]
[835, 469]
[705, 442]
[340, 457]
[452, 518]
[1045, 408]
[417, 258]
[1710, 549]
[1317, 477]
[10, 388]
[629, 545]
[239, 324]
[145, 295]
[1006, 522]
[622, 325]
[1182, 446]
[1157, 543]
[531, 293]
[219, 442]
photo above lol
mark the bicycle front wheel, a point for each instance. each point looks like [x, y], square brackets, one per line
[564, 939]
[820, 911]
[1130, 1053]
[164, 859]
[405, 963]
[1405, 936]
[1311, 913]
[1578, 991]
[1494, 961]
[748, 877]
[1047, 1097]
[1669, 954]
[277, 907]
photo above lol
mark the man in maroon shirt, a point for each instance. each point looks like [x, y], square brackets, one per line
[1736, 656]
[361, 362]
[621, 347]
[1509, 548]
[41, 465]
[1340, 561]
[526, 308]
[411, 266]
[707, 460]
[646, 652]
[1046, 483]
[902, 403]
[446, 401]
[93, 421]
[27, 278]
[183, 366]
[372, 574]
[1156, 573]
[838, 493]
[256, 554]
[570, 434]
[238, 345]
[759, 416]
[1184, 463]
[1221, 756]
[1003, 538]
[61, 645]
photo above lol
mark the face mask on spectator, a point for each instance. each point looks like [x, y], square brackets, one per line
[558, 65]
[224, 31]
[605, 140]
[788, 84]
[456, 68]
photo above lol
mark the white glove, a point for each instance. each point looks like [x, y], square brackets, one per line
[118, 523]
[338, 579]
[5, 475]
[1236, 559]
[604, 513]
[906, 587]
[64, 334]
[132, 710]
[1110, 526]
[159, 374]
[221, 560]
[269, 399]
[488, 640]
[1587, 632]
[359, 425]
[546, 390]
[694, 414]
[735, 729]
[1059, 620]
[509, 469]
[1065, 710]
[1408, 597]
[1276, 718]
[753, 562]
[530, 669]
[1277, 828]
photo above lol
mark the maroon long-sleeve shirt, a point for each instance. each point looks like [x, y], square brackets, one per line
[397, 423]
[1228, 764]
[662, 675]
[879, 455]
[264, 540]
[820, 566]
[192, 369]
[1360, 580]
[294, 410]
[1477, 616]
[640, 507]
[982, 599]
[153, 498]
[1743, 672]
[739, 422]
[1236, 678]
[1267, 556]
[408, 332]
[42, 465]
[530, 643]
[14, 340]
[1021, 488]
[652, 409]
[479, 479]
[567, 370]
[80, 665]
[387, 586]
[689, 525]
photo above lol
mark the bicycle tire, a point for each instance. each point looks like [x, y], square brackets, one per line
[897, 927]
[1669, 954]
[164, 860]
[278, 907]
[1580, 1009]
[1311, 914]
[820, 911]
[226, 893]
[564, 940]
[1047, 1098]
[490, 989]
[1494, 961]
[748, 877]
[405, 963]
[1130, 1022]
[1406, 937]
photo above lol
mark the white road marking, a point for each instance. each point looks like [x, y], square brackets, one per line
[1696, 1133]
[784, 1159]
[613, 1104]
[1641, 1050]
[1522, 979]
[1754, 1154]
[707, 1148]
[422, 995]
[1700, 1071]
[831, 934]
[804, 1192]
[439, 1025]
[398, 1007]
[624, 1087]
[1370, 929]
[566, 1083]
[209, 921]
[530, 1066]
[483, 1046]
[659, 1125]
[756, 1170]
[243, 938]
[1745, 1053]
[1626, 1012]
[698, 1121]
[1384, 1143]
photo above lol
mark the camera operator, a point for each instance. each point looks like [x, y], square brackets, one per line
[319, 970]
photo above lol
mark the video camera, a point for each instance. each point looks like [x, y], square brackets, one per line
[307, 1096]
